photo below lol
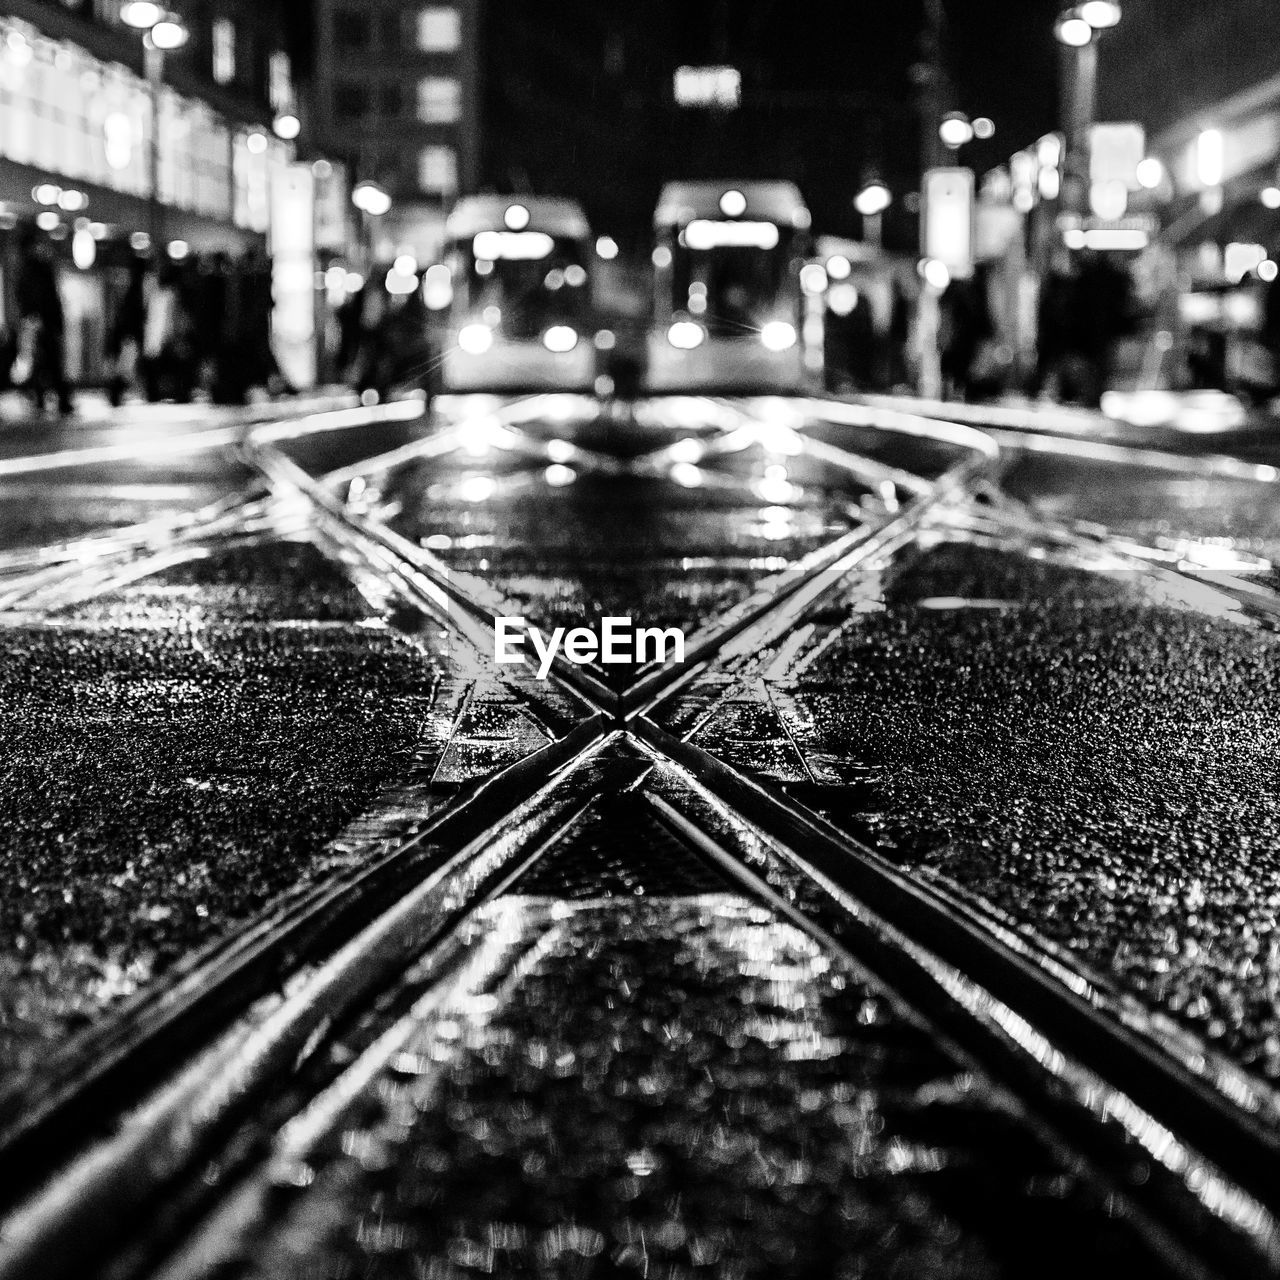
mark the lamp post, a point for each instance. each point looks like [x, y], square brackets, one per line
[162, 32]
[1078, 31]
[871, 202]
[373, 201]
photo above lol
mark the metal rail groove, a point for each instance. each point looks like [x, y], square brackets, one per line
[1178, 1098]
[83, 1212]
[104, 1070]
[58, 1233]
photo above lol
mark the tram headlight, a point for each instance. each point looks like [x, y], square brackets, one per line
[778, 335]
[560, 338]
[684, 335]
[475, 339]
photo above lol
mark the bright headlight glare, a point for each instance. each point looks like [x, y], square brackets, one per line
[560, 338]
[475, 339]
[684, 335]
[778, 335]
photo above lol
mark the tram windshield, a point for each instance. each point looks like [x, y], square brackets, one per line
[533, 280]
[732, 277]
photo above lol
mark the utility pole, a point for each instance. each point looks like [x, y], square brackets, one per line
[931, 87]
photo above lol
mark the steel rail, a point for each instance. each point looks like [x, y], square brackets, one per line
[167, 445]
[1071, 1129]
[76, 1218]
[1175, 1225]
[98, 1071]
[425, 576]
[96, 1074]
[1072, 1018]
[922, 915]
[774, 607]
[817, 575]
[1154, 564]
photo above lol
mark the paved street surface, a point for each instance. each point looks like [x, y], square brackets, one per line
[922, 922]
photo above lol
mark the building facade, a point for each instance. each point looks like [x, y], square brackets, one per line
[101, 159]
[396, 94]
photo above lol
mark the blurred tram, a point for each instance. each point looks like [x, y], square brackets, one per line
[521, 314]
[729, 311]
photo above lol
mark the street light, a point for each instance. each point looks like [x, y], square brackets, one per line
[168, 34]
[955, 129]
[871, 202]
[1073, 31]
[162, 32]
[1150, 173]
[373, 201]
[1078, 30]
[370, 198]
[874, 198]
[1100, 14]
[142, 15]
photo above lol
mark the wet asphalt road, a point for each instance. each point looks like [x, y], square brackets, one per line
[663, 1076]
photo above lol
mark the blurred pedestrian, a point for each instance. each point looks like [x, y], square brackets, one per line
[41, 360]
[1055, 321]
[1269, 331]
[899, 337]
[124, 337]
[254, 321]
[208, 303]
[369, 367]
[966, 326]
[1103, 313]
[8, 338]
[848, 339]
[169, 364]
[411, 357]
[350, 321]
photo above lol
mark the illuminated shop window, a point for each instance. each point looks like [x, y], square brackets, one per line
[253, 164]
[78, 118]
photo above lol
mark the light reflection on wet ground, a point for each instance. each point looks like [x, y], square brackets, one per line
[36, 513]
[682, 1086]
[262, 581]
[1153, 507]
[679, 1080]
[655, 551]
[1097, 768]
[162, 783]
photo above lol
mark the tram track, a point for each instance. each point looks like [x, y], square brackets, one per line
[145, 1040]
[429, 959]
[1162, 1087]
[328, 951]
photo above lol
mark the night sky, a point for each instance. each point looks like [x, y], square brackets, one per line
[578, 96]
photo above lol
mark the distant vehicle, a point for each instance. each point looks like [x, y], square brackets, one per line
[521, 314]
[728, 307]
